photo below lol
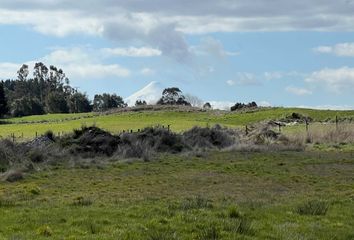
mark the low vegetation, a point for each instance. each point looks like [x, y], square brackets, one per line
[222, 195]
[173, 182]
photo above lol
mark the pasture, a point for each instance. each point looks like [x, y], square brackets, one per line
[134, 120]
[222, 195]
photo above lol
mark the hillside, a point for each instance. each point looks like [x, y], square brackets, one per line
[178, 119]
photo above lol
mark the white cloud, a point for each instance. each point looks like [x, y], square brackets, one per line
[9, 70]
[67, 56]
[336, 80]
[95, 71]
[164, 24]
[341, 49]
[57, 23]
[298, 91]
[244, 79]
[76, 63]
[264, 104]
[327, 107]
[147, 71]
[230, 82]
[213, 47]
[132, 52]
[222, 105]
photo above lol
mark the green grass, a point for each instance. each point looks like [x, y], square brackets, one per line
[179, 121]
[226, 195]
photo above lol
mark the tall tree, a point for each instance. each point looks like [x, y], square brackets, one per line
[3, 101]
[41, 75]
[23, 72]
[172, 96]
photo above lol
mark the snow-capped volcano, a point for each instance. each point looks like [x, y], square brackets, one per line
[151, 93]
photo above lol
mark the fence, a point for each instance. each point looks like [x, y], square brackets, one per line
[307, 124]
[21, 137]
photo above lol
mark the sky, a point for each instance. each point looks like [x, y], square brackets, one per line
[278, 53]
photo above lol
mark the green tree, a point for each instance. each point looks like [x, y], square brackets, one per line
[56, 102]
[106, 101]
[79, 102]
[172, 96]
[26, 106]
[3, 101]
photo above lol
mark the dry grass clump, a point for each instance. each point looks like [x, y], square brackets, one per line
[90, 141]
[213, 137]
[148, 142]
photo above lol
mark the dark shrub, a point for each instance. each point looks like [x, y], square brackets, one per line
[35, 156]
[239, 106]
[150, 140]
[91, 140]
[208, 137]
[50, 135]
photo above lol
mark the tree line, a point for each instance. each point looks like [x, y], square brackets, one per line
[49, 91]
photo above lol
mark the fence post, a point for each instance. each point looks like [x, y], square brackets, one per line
[336, 123]
[13, 137]
[168, 127]
[246, 130]
[36, 134]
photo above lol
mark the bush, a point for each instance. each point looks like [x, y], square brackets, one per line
[239, 106]
[199, 137]
[35, 156]
[148, 141]
[50, 135]
[91, 140]
[313, 207]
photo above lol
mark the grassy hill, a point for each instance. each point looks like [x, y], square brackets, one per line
[134, 120]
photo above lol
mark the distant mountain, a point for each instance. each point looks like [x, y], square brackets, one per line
[151, 93]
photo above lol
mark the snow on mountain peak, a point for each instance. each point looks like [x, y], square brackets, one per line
[151, 93]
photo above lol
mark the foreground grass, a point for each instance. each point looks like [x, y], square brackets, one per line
[179, 121]
[224, 195]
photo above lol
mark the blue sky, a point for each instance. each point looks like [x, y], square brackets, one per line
[282, 53]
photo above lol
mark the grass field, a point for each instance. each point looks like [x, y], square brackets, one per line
[179, 121]
[224, 195]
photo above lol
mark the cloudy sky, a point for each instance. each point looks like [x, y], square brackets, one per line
[279, 52]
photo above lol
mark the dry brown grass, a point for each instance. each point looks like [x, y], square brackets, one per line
[324, 134]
